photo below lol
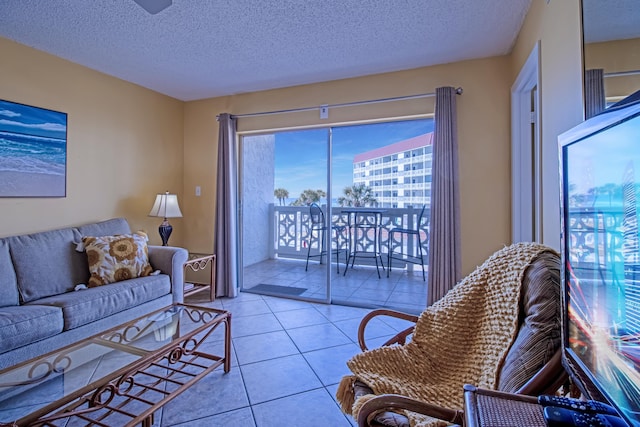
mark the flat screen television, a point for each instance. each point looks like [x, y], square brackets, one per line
[600, 205]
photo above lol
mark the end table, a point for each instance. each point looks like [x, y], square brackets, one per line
[199, 262]
[488, 408]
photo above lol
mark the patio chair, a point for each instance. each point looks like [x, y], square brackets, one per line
[317, 228]
[530, 364]
[405, 235]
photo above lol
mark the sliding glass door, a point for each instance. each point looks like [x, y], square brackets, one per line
[304, 198]
[382, 173]
[285, 228]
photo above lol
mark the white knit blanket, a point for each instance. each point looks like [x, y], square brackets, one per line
[461, 339]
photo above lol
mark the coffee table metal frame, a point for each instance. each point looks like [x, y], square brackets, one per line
[135, 391]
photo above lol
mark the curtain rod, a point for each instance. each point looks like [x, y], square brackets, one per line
[346, 104]
[622, 73]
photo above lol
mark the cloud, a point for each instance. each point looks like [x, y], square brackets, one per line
[346, 157]
[298, 178]
[52, 127]
[300, 174]
[8, 113]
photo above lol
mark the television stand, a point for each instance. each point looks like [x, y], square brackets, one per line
[489, 408]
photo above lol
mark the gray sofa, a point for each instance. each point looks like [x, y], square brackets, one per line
[41, 311]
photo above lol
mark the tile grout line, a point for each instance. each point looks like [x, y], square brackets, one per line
[274, 310]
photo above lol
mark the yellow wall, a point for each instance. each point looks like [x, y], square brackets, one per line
[615, 56]
[124, 144]
[557, 26]
[483, 126]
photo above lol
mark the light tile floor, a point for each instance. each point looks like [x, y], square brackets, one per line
[403, 290]
[287, 359]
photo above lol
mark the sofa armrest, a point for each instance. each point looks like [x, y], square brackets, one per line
[170, 260]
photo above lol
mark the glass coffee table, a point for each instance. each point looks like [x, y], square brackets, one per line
[119, 377]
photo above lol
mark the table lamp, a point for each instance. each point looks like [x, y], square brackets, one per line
[165, 206]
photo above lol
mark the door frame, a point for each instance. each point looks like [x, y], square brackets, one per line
[241, 189]
[526, 164]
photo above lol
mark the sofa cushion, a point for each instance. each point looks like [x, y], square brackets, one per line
[105, 228]
[115, 258]
[539, 334]
[46, 263]
[22, 325]
[85, 306]
[8, 283]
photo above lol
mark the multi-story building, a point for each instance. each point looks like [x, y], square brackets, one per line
[399, 174]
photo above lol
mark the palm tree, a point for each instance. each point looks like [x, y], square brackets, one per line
[611, 190]
[309, 196]
[357, 195]
[281, 194]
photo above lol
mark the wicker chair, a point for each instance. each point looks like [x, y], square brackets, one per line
[530, 367]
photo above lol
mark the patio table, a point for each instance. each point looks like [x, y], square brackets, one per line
[364, 226]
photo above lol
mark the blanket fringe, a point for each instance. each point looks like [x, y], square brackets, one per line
[360, 402]
[344, 394]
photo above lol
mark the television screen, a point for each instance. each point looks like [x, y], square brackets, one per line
[600, 174]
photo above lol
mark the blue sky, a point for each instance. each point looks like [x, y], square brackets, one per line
[19, 118]
[301, 156]
[604, 158]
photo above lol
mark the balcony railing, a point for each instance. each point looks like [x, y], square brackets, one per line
[596, 237]
[289, 227]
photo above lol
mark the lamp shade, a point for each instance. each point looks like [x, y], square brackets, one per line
[166, 206]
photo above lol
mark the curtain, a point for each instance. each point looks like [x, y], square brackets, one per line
[226, 230]
[444, 243]
[594, 92]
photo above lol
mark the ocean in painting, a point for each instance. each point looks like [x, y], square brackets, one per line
[32, 154]
[33, 151]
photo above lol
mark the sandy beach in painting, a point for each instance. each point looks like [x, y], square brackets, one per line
[25, 184]
[33, 151]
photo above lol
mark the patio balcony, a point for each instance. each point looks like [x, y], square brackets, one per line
[289, 226]
[597, 255]
[278, 253]
[288, 240]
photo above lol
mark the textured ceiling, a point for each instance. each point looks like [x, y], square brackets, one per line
[197, 49]
[606, 20]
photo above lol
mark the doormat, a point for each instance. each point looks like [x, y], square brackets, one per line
[276, 289]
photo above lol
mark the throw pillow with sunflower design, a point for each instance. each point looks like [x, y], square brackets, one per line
[116, 258]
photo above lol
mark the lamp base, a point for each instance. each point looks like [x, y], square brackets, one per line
[165, 230]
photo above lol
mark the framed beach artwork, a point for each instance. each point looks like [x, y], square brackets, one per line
[33, 151]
